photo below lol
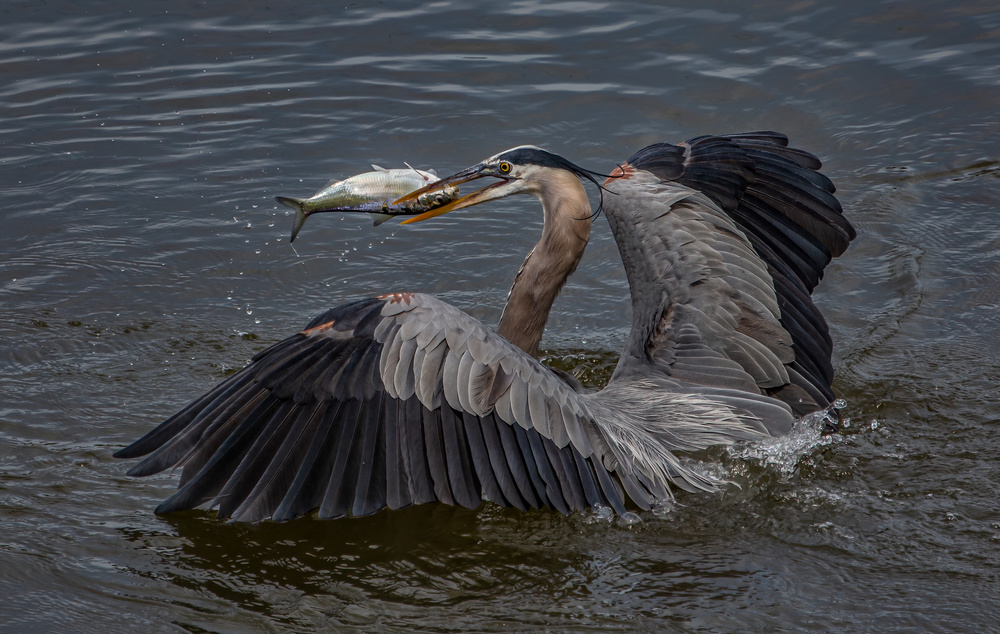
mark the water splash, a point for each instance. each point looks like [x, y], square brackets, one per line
[599, 514]
[785, 452]
[662, 509]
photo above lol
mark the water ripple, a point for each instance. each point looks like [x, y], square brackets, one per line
[143, 259]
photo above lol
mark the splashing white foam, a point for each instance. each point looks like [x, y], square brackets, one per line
[785, 452]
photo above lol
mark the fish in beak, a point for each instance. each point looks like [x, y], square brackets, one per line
[507, 185]
[371, 192]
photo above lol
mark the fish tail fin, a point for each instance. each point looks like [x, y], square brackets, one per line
[301, 214]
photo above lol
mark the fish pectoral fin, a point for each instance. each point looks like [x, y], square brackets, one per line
[380, 218]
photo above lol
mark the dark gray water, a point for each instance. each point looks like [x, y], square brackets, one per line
[142, 258]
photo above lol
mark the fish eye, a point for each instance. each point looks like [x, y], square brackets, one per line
[505, 167]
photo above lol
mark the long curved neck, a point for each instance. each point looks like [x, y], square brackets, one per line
[565, 233]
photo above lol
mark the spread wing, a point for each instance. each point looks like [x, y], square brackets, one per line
[389, 402]
[723, 240]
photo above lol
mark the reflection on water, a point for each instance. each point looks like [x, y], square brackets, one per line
[143, 259]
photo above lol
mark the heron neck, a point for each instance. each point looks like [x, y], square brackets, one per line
[565, 233]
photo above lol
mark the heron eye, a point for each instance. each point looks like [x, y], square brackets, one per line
[505, 167]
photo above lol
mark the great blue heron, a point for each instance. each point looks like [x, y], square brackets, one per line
[403, 399]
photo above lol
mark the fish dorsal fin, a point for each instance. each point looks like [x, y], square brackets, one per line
[422, 174]
[378, 168]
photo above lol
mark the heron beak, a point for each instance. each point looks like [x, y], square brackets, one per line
[490, 192]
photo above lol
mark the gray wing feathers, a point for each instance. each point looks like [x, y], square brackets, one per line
[704, 310]
[474, 370]
[484, 375]
[702, 272]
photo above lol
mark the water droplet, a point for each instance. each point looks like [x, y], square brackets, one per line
[604, 513]
[663, 509]
[629, 519]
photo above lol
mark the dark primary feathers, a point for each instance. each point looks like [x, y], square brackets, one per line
[403, 399]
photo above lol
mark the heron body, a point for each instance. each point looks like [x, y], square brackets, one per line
[404, 399]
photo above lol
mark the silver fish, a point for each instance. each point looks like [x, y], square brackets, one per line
[371, 192]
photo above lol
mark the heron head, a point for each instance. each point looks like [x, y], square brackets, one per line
[522, 170]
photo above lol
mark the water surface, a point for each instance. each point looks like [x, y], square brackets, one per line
[142, 258]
